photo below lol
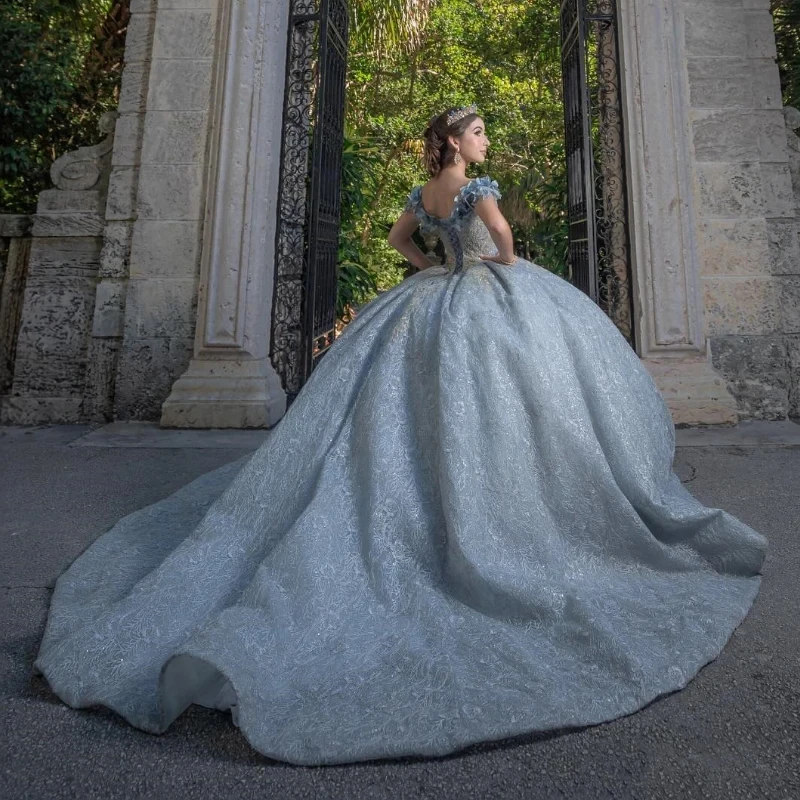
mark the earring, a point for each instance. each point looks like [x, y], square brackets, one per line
[457, 158]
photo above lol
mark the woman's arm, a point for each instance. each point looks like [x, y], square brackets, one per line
[498, 228]
[400, 239]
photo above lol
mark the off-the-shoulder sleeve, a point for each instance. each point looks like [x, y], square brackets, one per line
[483, 187]
[413, 202]
[471, 193]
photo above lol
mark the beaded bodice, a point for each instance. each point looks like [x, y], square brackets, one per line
[463, 233]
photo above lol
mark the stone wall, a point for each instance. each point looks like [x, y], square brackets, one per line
[746, 224]
[52, 349]
[160, 159]
[792, 116]
[108, 319]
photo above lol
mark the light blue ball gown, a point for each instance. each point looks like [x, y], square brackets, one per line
[466, 527]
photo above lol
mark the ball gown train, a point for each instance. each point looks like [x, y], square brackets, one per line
[466, 527]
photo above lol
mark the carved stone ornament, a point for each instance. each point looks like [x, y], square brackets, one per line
[82, 169]
[792, 117]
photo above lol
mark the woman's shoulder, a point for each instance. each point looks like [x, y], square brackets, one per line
[481, 187]
[414, 200]
[417, 191]
[466, 199]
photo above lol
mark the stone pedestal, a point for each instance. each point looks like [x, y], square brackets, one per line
[694, 393]
[225, 393]
[230, 382]
[58, 305]
[668, 305]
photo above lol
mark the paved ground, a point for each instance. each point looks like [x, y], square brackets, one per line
[734, 732]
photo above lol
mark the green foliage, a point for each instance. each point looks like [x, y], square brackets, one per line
[502, 55]
[380, 25]
[59, 71]
[786, 15]
[541, 231]
[356, 282]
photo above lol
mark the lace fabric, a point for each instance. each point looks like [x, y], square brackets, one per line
[466, 527]
[463, 233]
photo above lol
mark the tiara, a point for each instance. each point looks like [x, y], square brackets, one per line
[460, 113]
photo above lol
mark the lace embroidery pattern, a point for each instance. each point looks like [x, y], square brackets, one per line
[465, 528]
[450, 228]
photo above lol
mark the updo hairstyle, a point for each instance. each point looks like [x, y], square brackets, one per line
[437, 152]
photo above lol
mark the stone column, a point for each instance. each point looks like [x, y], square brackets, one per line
[669, 310]
[230, 382]
[108, 322]
[165, 157]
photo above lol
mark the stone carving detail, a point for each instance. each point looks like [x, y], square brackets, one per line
[86, 167]
[55, 329]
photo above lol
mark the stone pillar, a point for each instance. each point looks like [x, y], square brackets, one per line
[668, 306]
[108, 321]
[746, 225]
[792, 117]
[230, 381]
[165, 162]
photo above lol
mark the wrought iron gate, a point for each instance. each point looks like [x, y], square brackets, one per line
[307, 239]
[599, 249]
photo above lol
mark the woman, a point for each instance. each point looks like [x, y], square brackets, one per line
[465, 528]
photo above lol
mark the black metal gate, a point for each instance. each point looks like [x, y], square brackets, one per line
[599, 249]
[307, 240]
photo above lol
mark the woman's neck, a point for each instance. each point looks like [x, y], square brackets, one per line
[455, 172]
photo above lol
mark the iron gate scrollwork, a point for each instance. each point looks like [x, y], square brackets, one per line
[599, 245]
[307, 238]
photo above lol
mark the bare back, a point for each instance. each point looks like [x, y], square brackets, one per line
[439, 195]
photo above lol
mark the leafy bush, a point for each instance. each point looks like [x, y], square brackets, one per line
[60, 64]
[356, 283]
[786, 16]
[502, 55]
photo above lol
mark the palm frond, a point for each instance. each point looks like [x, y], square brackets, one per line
[383, 24]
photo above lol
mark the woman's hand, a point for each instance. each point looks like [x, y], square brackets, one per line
[499, 260]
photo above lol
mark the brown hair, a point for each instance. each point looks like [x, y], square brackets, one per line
[437, 152]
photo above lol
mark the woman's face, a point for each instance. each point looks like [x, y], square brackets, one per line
[473, 143]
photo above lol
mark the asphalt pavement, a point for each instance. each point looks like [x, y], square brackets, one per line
[733, 732]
